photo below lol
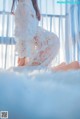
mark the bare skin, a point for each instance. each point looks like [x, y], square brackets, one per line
[23, 61]
[35, 5]
[72, 66]
[62, 67]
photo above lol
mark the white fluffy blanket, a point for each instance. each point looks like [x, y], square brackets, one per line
[40, 94]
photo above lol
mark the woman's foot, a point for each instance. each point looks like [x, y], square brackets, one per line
[21, 61]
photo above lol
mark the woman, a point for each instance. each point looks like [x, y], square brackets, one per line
[35, 46]
[33, 42]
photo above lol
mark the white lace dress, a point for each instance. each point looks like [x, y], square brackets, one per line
[31, 40]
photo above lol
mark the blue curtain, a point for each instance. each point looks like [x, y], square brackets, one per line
[79, 27]
[75, 17]
[79, 16]
[73, 26]
[75, 23]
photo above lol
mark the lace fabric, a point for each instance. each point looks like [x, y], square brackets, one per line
[47, 46]
[42, 51]
[31, 40]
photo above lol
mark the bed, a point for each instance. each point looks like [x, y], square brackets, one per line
[31, 93]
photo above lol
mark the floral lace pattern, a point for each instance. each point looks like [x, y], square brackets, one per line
[47, 46]
[42, 51]
[31, 40]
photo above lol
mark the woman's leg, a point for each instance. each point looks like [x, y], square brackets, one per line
[72, 66]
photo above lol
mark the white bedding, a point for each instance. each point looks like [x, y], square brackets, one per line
[40, 94]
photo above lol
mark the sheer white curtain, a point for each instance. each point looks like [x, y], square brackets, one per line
[7, 48]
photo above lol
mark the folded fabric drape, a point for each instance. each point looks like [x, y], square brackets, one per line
[73, 26]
